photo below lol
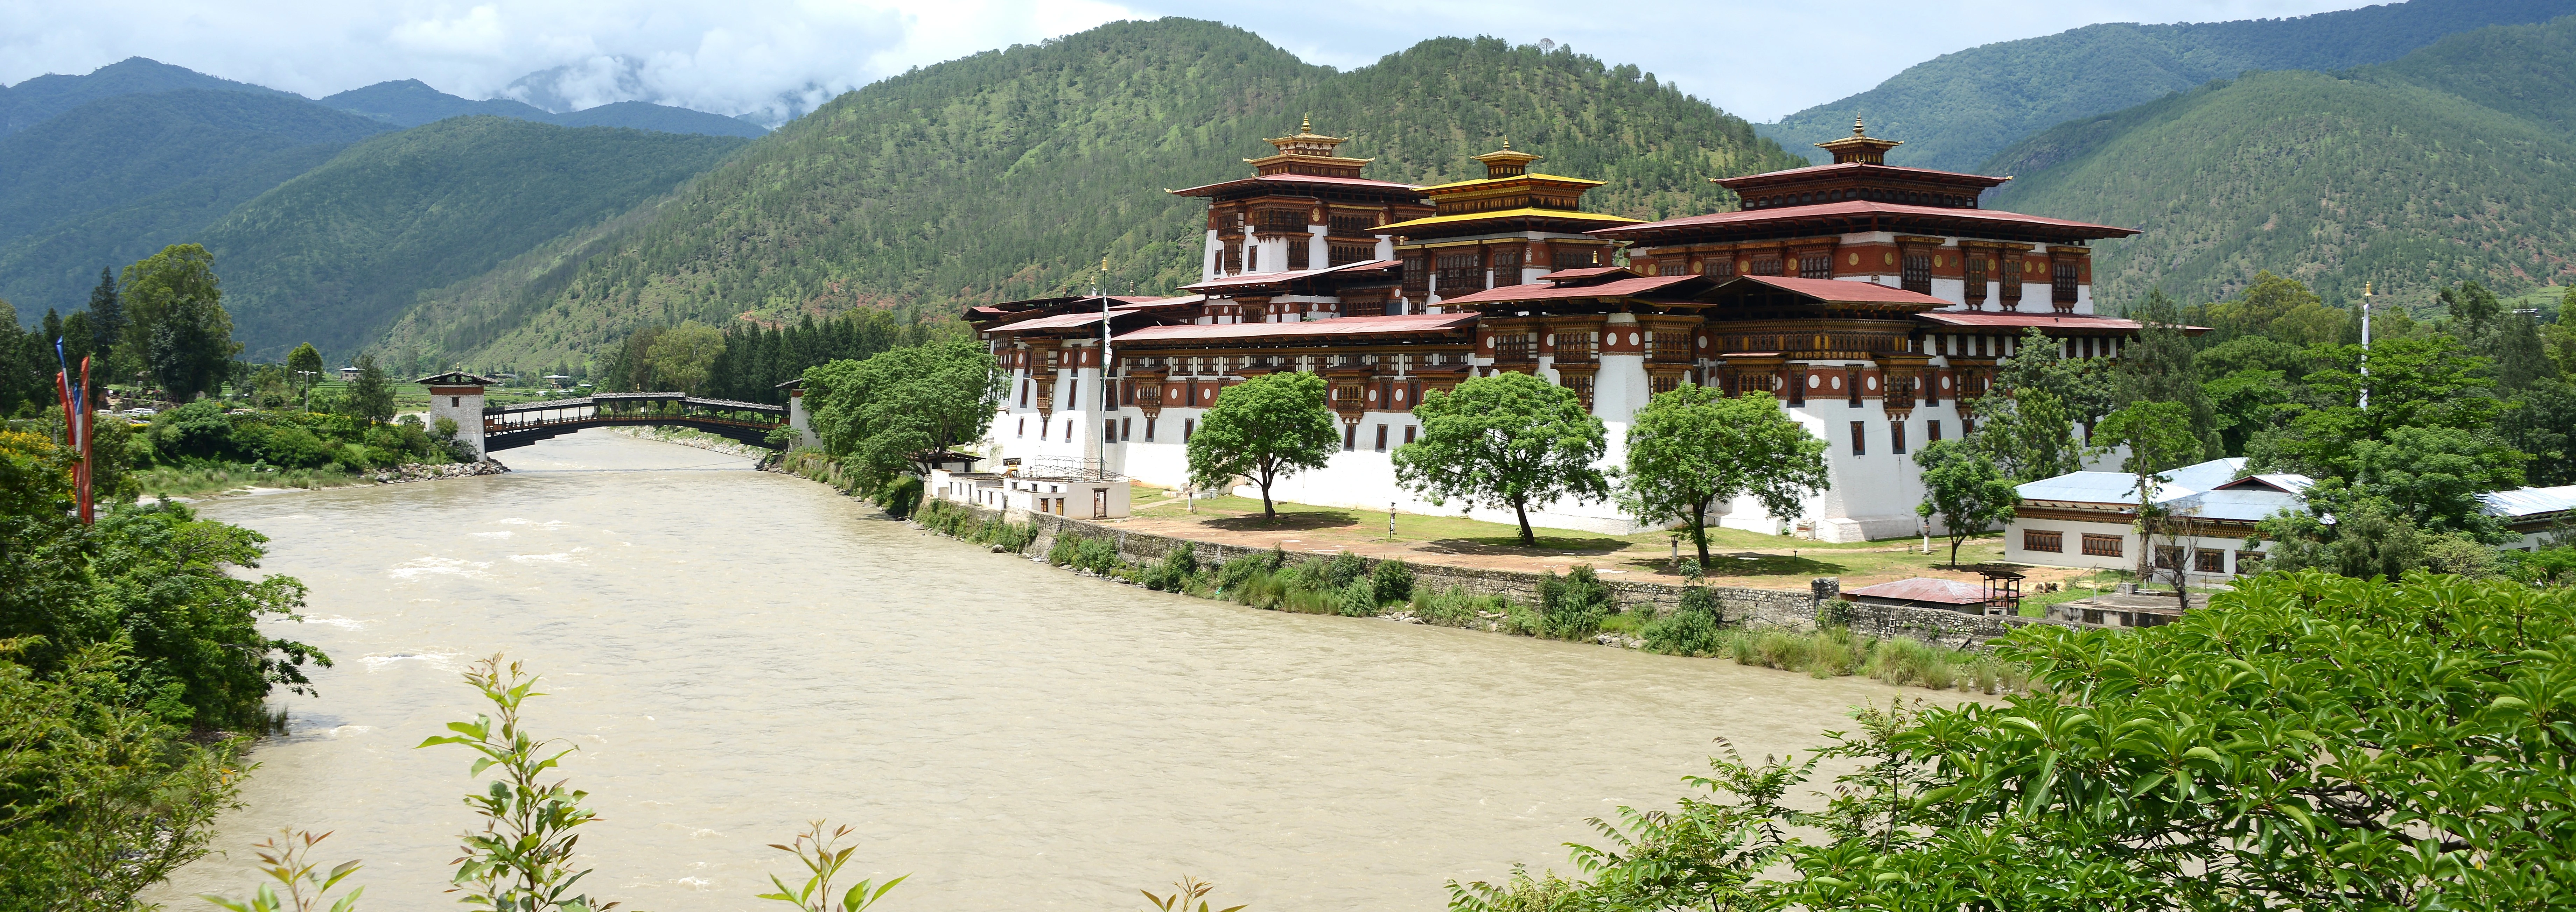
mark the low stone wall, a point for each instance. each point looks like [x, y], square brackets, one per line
[1742, 606]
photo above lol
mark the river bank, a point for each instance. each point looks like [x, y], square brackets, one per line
[200, 482]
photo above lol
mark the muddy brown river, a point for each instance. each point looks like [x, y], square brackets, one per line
[736, 653]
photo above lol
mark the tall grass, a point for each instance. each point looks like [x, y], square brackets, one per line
[1902, 661]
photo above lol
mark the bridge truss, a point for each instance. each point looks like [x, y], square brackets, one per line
[510, 426]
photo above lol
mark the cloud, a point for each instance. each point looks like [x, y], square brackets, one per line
[777, 58]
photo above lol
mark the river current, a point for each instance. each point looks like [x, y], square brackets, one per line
[735, 653]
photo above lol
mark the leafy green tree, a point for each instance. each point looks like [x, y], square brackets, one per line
[522, 860]
[2510, 341]
[1510, 438]
[2435, 474]
[2157, 366]
[897, 411]
[2083, 387]
[2367, 537]
[683, 355]
[106, 312]
[2029, 436]
[2421, 382]
[2278, 308]
[372, 397]
[1692, 450]
[304, 366]
[2156, 438]
[1963, 487]
[1261, 429]
[178, 322]
[2542, 422]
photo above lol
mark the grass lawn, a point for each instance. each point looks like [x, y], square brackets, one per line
[1739, 558]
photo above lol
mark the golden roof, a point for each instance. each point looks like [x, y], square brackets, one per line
[1859, 147]
[1523, 212]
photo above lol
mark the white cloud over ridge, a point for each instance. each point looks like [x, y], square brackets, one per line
[777, 58]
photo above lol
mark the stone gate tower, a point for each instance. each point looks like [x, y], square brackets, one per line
[458, 396]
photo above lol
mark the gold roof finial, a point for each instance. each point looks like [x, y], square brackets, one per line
[1306, 124]
[1857, 129]
[1507, 142]
[2365, 289]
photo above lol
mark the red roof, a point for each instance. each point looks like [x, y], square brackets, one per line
[1988, 318]
[1059, 321]
[1859, 208]
[1213, 189]
[1548, 291]
[1345, 326]
[1267, 278]
[1924, 589]
[1842, 291]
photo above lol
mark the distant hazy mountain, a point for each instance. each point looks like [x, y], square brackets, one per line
[338, 252]
[410, 103]
[1956, 110]
[2454, 162]
[49, 95]
[109, 182]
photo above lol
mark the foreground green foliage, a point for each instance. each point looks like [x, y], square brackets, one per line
[2308, 740]
[897, 411]
[522, 860]
[823, 856]
[286, 860]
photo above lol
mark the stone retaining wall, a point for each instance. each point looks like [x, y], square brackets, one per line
[1743, 606]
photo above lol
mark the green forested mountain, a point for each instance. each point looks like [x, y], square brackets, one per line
[1006, 174]
[2384, 174]
[34, 100]
[645, 115]
[1956, 110]
[335, 254]
[116, 179]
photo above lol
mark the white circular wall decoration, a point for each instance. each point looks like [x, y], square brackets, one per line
[1703, 341]
[1632, 338]
[1871, 383]
[1489, 341]
[1814, 381]
[1399, 395]
[1945, 383]
[1207, 394]
[1837, 382]
[1372, 395]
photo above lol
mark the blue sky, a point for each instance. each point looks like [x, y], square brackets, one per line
[1757, 59]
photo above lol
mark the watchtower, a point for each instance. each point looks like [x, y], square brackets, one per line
[458, 396]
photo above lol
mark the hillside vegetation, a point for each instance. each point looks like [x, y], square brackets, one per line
[118, 178]
[1010, 174]
[334, 255]
[1956, 110]
[31, 102]
[2380, 174]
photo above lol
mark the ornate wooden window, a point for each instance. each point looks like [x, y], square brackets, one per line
[2101, 545]
[1346, 254]
[1233, 257]
[1765, 266]
[1351, 224]
[1896, 437]
[1860, 438]
[1582, 387]
[1974, 269]
[1672, 266]
[1574, 258]
[1417, 277]
[2036, 540]
[2012, 278]
[1507, 265]
[1851, 386]
[1367, 307]
[1797, 388]
[1917, 273]
[1573, 347]
[2208, 560]
[1932, 431]
[1931, 386]
[1671, 346]
[2062, 286]
[1298, 253]
[1283, 221]
[1722, 267]
[1514, 348]
[1461, 273]
[1816, 266]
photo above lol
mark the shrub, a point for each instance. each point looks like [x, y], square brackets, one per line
[1692, 629]
[1359, 599]
[1341, 570]
[1174, 572]
[900, 496]
[1392, 581]
[1454, 608]
[1232, 574]
[1571, 607]
[1098, 555]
